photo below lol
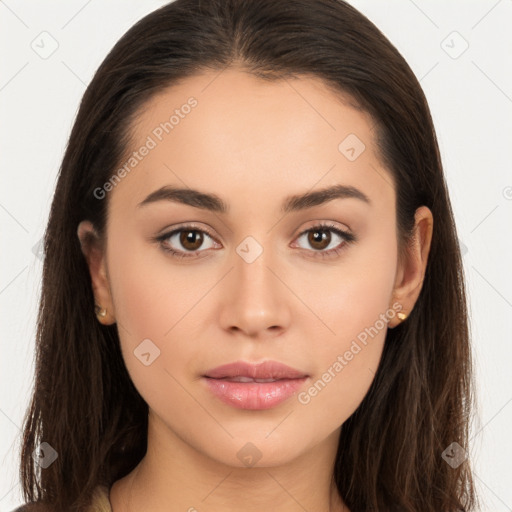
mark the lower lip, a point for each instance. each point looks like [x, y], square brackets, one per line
[254, 395]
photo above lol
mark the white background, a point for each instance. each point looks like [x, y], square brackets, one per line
[471, 101]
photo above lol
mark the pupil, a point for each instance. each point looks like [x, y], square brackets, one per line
[318, 237]
[187, 237]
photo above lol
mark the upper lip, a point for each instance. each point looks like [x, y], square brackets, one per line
[264, 370]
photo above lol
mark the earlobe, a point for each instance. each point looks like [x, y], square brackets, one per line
[412, 269]
[93, 251]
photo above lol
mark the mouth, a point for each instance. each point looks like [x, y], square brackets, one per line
[266, 371]
[251, 394]
[247, 379]
[254, 386]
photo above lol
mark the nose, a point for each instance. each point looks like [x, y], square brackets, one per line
[255, 301]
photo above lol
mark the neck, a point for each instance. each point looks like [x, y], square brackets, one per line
[174, 476]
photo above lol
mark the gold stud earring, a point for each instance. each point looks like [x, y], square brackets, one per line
[100, 312]
[401, 316]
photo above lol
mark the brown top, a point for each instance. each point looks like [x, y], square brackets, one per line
[100, 502]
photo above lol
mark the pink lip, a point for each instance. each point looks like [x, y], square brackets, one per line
[254, 395]
[264, 370]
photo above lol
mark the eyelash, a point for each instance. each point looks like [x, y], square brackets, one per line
[349, 238]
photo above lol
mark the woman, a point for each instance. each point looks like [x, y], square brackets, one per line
[253, 294]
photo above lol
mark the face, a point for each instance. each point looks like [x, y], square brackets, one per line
[311, 284]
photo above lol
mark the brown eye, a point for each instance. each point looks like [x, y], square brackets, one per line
[319, 238]
[191, 239]
[185, 242]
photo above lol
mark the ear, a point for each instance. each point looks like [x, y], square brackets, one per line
[411, 271]
[94, 253]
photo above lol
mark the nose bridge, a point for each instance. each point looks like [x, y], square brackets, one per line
[255, 298]
[253, 260]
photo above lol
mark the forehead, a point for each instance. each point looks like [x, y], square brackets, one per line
[224, 131]
[224, 101]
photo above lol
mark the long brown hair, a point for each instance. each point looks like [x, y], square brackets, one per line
[84, 404]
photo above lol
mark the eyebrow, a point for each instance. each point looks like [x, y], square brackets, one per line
[214, 203]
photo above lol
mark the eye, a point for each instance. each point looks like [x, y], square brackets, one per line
[189, 237]
[320, 238]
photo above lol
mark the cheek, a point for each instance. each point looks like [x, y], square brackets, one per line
[354, 308]
[345, 362]
[351, 294]
[150, 307]
[150, 296]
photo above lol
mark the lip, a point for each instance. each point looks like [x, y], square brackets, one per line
[265, 370]
[254, 395]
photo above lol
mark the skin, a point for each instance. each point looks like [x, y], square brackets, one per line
[252, 143]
